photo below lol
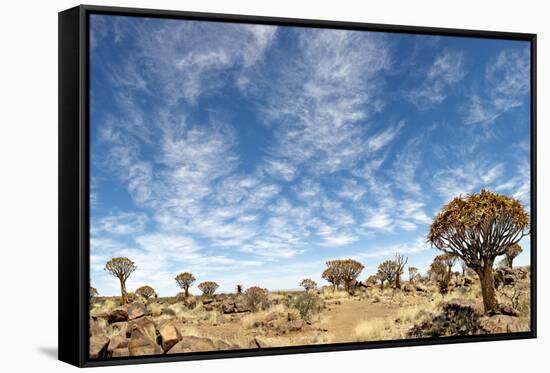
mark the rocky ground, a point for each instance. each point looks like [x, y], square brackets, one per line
[225, 322]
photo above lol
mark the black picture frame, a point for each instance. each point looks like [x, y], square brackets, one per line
[74, 186]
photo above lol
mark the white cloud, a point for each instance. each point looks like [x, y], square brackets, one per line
[507, 81]
[446, 70]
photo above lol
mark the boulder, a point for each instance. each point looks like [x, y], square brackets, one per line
[408, 288]
[421, 288]
[143, 338]
[121, 352]
[98, 346]
[500, 324]
[169, 335]
[228, 305]
[192, 344]
[118, 341]
[261, 342]
[117, 315]
[241, 306]
[468, 281]
[136, 310]
[509, 311]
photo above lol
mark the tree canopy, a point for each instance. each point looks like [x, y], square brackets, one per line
[121, 268]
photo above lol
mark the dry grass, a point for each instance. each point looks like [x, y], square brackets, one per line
[395, 327]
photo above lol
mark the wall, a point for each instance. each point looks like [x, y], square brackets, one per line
[28, 187]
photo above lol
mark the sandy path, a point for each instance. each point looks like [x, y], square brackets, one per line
[342, 319]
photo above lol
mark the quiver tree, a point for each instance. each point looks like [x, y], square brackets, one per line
[413, 271]
[400, 261]
[437, 270]
[463, 267]
[93, 293]
[308, 284]
[239, 289]
[478, 228]
[511, 253]
[185, 280]
[333, 276]
[208, 288]
[346, 270]
[386, 272]
[121, 268]
[146, 292]
[448, 260]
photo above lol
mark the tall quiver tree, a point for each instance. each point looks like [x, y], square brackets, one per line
[511, 253]
[413, 271]
[477, 228]
[185, 280]
[121, 268]
[400, 261]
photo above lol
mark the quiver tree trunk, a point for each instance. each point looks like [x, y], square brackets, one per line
[123, 292]
[186, 291]
[487, 282]
[381, 284]
[509, 262]
[398, 282]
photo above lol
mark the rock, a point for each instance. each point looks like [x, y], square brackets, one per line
[462, 307]
[468, 281]
[408, 288]
[189, 302]
[228, 306]
[143, 338]
[121, 352]
[509, 311]
[136, 310]
[295, 325]
[192, 344]
[500, 324]
[169, 335]
[241, 306]
[118, 341]
[117, 315]
[509, 280]
[421, 288]
[98, 347]
[261, 342]
[145, 326]
[207, 301]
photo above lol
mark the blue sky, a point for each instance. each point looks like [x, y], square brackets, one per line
[253, 154]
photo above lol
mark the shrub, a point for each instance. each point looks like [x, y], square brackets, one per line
[256, 298]
[308, 304]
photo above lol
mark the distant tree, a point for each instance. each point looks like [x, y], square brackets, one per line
[478, 228]
[185, 280]
[308, 284]
[437, 270]
[256, 298]
[121, 268]
[387, 271]
[93, 293]
[463, 266]
[239, 289]
[413, 271]
[511, 253]
[208, 288]
[333, 276]
[346, 270]
[448, 260]
[400, 261]
[146, 292]
[372, 280]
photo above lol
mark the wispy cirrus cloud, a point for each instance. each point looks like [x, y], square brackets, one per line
[447, 70]
[506, 83]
